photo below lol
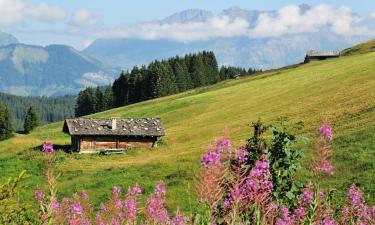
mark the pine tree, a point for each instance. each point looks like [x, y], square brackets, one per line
[98, 100]
[5, 123]
[85, 103]
[196, 70]
[108, 98]
[31, 120]
[120, 90]
[181, 73]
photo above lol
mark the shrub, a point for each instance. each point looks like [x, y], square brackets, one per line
[283, 157]
[11, 210]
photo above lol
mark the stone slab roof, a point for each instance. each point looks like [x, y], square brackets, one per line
[313, 53]
[145, 127]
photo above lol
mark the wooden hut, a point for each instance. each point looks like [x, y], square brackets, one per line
[94, 135]
[321, 55]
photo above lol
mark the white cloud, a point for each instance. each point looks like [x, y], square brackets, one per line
[219, 26]
[45, 12]
[16, 11]
[373, 15]
[290, 20]
[10, 12]
[83, 18]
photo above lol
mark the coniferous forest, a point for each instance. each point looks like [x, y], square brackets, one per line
[49, 109]
[158, 79]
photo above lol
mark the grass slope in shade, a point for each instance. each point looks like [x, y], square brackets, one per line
[343, 89]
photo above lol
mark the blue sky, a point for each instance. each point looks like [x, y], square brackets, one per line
[78, 22]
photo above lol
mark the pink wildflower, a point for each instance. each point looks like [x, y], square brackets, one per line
[85, 195]
[160, 189]
[211, 158]
[241, 155]
[39, 195]
[55, 206]
[355, 196]
[76, 209]
[178, 220]
[300, 213]
[116, 190]
[47, 147]
[329, 222]
[285, 217]
[307, 197]
[325, 131]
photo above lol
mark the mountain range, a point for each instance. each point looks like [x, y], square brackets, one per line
[244, 51]
[48, 71]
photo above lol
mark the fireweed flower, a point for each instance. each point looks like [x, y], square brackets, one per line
[211, 158]
[328, 222]
[116, 190]
[56, 206]
[136, 190]
[300, 213]
[156, 212]
[355, 196]
[307, 197]
[39, 195]
[241, 155]
[47, 147]
[227, 203]
[259, 180]
[85, 195]
[325, 131]
[103, 207]
[223, 143]
[285, 217]
[76, 209]
[160, 189]
[178, 220]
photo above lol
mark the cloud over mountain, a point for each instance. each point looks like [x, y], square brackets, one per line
[218, 26]
[203, 25]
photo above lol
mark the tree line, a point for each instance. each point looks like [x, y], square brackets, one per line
[48, 109]
[158, 79]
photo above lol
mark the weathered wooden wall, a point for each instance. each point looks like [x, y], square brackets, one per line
[93, 144]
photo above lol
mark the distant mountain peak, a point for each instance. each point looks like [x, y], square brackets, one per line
[6, 39]
[189, 15]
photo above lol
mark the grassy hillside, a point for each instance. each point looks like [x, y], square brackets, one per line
[341, 88]
[360, 49]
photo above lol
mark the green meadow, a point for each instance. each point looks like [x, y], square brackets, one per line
[342, 88]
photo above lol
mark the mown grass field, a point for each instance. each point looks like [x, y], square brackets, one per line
[343, 89]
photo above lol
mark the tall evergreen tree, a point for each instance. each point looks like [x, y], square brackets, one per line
[181, 73]
[85, 103]
[108, 98]
[5, 123]
[98, 100]
[162, 79]
[120, 90]
[31, 120]
[196, 70]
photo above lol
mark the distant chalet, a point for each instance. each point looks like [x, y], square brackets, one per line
[322, 55]
[94, 135]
